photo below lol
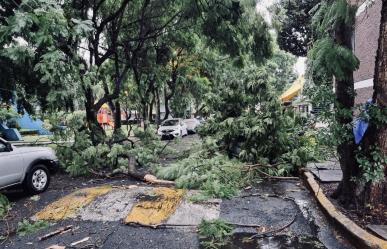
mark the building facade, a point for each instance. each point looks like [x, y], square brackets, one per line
[365, 45]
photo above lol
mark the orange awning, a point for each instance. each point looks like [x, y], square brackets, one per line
[293, 90]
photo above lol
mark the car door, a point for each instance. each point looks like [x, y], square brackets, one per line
[11, 166]
[183, 126]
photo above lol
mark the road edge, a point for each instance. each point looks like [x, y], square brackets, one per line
[359, 237]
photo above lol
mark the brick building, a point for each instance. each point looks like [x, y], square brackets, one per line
[365, 44]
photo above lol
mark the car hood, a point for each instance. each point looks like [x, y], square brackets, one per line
[163, 128]
[31, 149]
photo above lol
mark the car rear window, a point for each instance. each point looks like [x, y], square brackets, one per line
[170, 122]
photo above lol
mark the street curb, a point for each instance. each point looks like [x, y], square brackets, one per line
[357, 236]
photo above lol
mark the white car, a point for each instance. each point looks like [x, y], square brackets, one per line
[191, 123]
[171, 128]
[27, 166]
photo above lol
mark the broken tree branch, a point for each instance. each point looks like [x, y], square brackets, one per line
[56, 232]
[274, 231]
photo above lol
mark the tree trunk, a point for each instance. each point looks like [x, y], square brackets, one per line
[97, 134]
[150, 113]
[144, 116]
[376, 193]
[345, 97]
[166, 103]
[117, 116]
[158, 114]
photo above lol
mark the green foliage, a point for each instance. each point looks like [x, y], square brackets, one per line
[5, 206]
[207, 170]
[26, 227]
[81, 156]
[329, 15]
[327, 57]
[7, 113]
[214, 233]
[292, 20]
[248, 121]
[372, 163]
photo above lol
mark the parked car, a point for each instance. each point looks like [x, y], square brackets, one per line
[30, 167]
[191, 123]
[171, 128]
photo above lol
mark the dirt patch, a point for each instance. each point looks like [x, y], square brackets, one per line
[361, 216]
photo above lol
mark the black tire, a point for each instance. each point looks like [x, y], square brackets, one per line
[29, 184]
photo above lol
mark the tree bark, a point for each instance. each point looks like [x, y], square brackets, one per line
[166, 103]
[150, 113]
[158, 114]
[97, 134]
[144, 116]
[375, 194]
[117, 116]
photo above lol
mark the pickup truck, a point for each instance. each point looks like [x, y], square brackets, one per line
[30, 167]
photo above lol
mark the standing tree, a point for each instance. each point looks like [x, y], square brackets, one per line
[332, 55]
[373, 153]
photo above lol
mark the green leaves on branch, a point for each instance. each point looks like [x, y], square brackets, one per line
[214, 233]
[372, 163]
[329, 15]
[5, 206]
[207, 170]
[327, 57]
[27, 227]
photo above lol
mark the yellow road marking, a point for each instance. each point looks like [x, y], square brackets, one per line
[68, 205]
[156, 207]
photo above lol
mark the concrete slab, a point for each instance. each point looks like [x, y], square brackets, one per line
[193, 213]
[328, 175]
[114, 206]
[380, 230]
[331, 164]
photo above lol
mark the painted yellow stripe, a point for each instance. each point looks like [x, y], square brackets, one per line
[155, 207]
[68, 205]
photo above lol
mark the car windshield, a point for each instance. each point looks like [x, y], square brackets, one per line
[172, 122]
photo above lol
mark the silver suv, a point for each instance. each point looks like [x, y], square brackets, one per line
[27, 166]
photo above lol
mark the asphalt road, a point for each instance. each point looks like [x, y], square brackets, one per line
[286, 212]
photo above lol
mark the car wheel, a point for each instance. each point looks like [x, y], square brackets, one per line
[37, 179]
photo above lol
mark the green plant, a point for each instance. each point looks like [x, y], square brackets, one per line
[26, 227]
[5, 206]
[82, 156]
[214, 233]
[372, 164]
[208, 170]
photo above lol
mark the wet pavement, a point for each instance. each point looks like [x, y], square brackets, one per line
[285, 211]
[287, 215]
